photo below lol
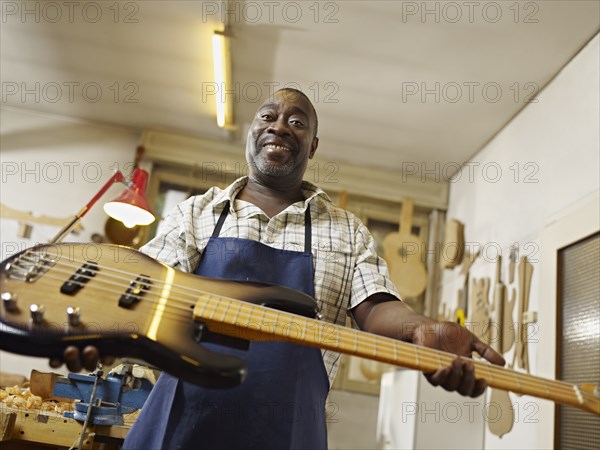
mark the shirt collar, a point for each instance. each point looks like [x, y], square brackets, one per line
[309, 190]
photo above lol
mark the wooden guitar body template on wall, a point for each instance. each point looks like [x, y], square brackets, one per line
[403, 252]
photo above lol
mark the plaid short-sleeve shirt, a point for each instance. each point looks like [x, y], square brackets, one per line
[347, 269]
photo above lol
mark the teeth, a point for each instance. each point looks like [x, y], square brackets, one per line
[276, 147]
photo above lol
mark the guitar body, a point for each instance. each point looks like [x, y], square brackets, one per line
[124, 303]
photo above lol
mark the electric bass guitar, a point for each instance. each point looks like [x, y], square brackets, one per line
[128, 304]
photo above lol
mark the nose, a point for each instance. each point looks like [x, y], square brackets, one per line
[279, 127]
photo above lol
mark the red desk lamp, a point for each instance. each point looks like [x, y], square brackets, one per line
[131, 207]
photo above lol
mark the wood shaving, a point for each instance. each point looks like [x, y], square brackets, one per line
[22, 398]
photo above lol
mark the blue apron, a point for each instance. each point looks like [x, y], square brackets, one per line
[280, 405]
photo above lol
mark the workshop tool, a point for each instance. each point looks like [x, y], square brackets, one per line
[119, 393]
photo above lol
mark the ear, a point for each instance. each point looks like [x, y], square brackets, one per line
[313, 147]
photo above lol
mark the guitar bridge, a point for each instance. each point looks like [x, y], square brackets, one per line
[29, 266]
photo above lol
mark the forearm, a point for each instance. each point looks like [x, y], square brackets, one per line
[387, 316]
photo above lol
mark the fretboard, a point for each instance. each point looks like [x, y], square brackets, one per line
[258, 323]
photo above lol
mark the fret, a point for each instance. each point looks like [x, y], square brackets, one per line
[277, 314]
[489, 374]
[375, 346]
[417, 356]
[261, 323]
[355, 342]
[578, 393]
[381, 349]
[545, 383]
[395, 345]
[514, 379]
[225, 311]
[237, 313]
[205, 304]
[245, 314]
[304, 324]
[214, 311]
[516, 376]
[314, 339]
[329, 343]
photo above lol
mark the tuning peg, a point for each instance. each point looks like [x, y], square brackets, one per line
[37, 313]
[9, 301]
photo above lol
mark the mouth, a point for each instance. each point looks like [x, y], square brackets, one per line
[278, 147]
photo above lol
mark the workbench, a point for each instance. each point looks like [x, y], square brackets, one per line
[22, 429]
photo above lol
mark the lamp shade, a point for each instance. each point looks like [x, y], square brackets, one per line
[132, 207]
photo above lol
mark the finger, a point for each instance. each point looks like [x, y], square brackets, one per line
[438, 377]
[71, 357]
[90, 358]
[107, 360]
[467, 383]
[55, 363]
[454, 377]
[480, 386]
[488, 352]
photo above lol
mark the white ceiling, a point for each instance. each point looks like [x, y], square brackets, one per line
[362, 57]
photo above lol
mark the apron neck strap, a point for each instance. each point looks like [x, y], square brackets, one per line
[307, 227]
[307, 231]
[221, 220]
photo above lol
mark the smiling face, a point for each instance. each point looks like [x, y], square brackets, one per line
[282, 138]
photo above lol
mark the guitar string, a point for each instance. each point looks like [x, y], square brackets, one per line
[447, 357]
[394, 343]
[568, 392]
[433, 359]
[250, 316]
[395, 359]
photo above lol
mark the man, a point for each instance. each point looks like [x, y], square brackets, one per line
[272, 215]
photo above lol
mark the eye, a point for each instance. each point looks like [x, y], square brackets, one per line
[297, 122]
[266, 116]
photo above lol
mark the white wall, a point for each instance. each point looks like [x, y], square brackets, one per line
[539, 175]
[555, 145]
[53, 166]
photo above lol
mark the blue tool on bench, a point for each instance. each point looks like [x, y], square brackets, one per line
[119, 393]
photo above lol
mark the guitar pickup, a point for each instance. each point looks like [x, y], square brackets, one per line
[79, 278]
[134, 292]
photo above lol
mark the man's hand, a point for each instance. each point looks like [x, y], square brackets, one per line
[385, 315]
[452, 338]
[76, 360]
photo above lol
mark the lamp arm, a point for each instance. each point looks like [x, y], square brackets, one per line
[116, 178]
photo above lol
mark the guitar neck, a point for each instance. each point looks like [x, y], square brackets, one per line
[258, 323]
